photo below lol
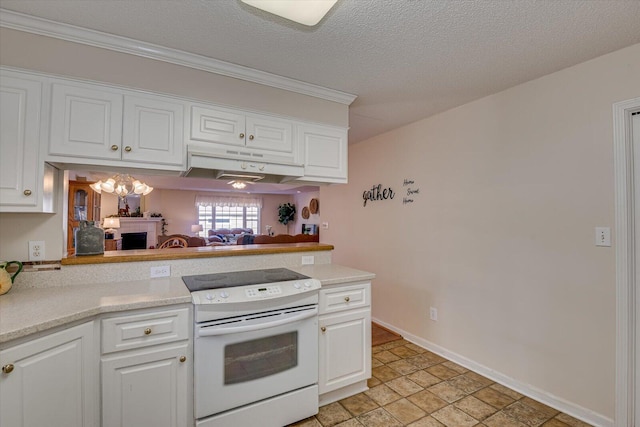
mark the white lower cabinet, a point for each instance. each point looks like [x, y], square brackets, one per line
[147, 382]
[146, 388]
[345, 341]
[51, 381]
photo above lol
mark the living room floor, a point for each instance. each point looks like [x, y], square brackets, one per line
[411, 386]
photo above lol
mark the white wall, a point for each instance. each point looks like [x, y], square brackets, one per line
[500, 237]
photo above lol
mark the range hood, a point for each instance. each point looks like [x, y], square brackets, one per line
[207, 165]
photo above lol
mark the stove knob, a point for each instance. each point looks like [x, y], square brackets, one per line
[296, 285]
[210, 296]
[224, 294]
[307, 284]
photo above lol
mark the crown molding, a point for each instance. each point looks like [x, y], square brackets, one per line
[45, 27]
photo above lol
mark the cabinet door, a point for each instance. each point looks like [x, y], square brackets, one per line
[325, 153]
[153, 130]
[53, 382]
[20, 169]
[217, 126]
[269, 134]
[85, 122]
[345, 349]
[146, 388]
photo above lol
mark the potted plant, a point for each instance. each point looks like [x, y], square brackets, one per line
[286, 213]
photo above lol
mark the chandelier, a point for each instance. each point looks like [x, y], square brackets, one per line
[122, 186]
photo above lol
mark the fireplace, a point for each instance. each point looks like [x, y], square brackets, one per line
[134, 240]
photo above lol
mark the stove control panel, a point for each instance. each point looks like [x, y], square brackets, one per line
[248, 293]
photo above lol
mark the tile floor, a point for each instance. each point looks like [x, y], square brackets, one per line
[413, 387]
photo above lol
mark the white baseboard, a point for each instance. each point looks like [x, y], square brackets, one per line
[528, 390]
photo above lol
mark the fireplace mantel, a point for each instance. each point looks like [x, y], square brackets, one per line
[137, 225]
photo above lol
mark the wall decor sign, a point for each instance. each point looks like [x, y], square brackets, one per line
[411, 191]
[377, 193]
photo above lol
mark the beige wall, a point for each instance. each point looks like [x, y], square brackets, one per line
[500, 238]
[301, 200]
[179, 208]
[50, 55]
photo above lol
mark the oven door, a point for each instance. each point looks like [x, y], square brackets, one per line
[245, 359]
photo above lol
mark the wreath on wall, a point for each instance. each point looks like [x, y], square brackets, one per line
[286, 213]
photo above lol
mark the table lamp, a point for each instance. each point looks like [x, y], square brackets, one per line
[196, 229]
[110, 224]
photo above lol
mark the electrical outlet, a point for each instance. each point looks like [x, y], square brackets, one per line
[433, 314]
[307, 260]
[325, 225]
[36, 250]
[161, 271]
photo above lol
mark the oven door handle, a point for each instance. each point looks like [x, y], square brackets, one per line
[283, 320]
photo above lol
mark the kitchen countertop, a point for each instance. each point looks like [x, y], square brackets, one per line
[25, 311]
[332, 274]
[194, 252]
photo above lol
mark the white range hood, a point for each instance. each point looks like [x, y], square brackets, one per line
[207, 165]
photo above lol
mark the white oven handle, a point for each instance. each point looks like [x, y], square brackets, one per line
[233, 328]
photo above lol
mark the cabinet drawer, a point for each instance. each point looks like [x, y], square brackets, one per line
[345, 297]
[142, 330]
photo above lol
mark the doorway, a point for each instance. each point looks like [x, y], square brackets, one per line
[626, 117]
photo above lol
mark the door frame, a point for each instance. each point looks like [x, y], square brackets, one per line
[626, 268]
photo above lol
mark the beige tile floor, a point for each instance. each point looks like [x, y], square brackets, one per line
[413, 387]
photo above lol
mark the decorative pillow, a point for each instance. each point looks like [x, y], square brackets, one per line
[217, 239]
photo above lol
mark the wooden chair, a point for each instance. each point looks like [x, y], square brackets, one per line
[174, 242]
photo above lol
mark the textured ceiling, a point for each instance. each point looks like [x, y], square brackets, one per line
[405, 59]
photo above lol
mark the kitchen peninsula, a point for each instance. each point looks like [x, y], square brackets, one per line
[194, 252]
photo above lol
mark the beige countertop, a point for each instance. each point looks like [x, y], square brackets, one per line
[332, 274]
[193, 253]
[25, 311]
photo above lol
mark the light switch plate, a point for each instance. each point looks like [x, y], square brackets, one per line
[603, 236]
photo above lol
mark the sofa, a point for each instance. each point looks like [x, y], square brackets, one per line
[227, 235]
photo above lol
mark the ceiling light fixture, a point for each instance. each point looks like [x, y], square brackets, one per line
[238, 185]
[305, 12]
[122, 186]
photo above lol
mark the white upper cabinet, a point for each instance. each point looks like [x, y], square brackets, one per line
[324, 152]
[68, 122]
[97, 123]
[85, 122]
[153, 130]
[232, 133]
[25, 184]
[217, 126]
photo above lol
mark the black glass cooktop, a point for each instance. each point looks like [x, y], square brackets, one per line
[240, 278]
